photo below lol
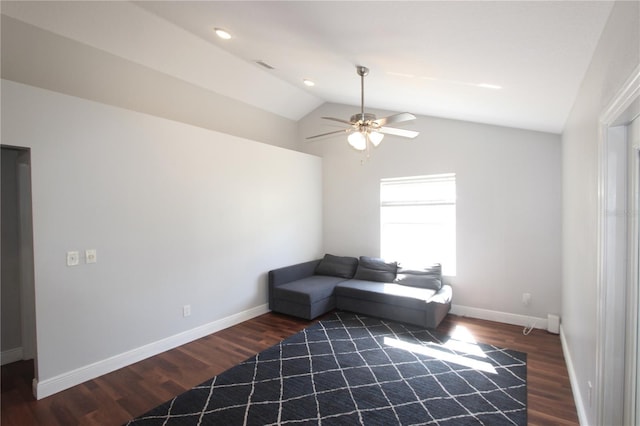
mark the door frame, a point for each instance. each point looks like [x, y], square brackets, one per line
[27, 278]
[617, 262]
[25, 254]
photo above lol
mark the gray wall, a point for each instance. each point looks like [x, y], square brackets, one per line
[11, 337]
[178, 215]
[617, 55]
[508, 204]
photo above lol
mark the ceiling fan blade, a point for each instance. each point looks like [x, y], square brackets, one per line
[399, 132]
[328, 133]
[396, 118]
[340, 120]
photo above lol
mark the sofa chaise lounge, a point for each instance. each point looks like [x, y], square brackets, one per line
[365, 285]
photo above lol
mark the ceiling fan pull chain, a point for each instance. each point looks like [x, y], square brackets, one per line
[368, 151]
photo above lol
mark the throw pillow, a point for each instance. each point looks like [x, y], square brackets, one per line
[429, 277]
[337, 266]
[374, 269]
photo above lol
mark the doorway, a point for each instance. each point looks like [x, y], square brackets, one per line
[18, 334]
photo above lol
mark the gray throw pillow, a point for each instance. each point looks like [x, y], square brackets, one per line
[429, 277]
[337, 266]
[374, 269]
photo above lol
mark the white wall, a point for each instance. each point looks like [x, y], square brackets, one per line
[618, 53]
[508, 204]
[178, 215]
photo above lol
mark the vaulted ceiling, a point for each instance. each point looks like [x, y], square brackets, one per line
[517, 64]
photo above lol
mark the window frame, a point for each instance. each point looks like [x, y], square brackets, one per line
[429, 196]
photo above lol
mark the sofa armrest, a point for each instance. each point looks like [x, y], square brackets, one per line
[443, 296]
[292, 273]
[277, 277]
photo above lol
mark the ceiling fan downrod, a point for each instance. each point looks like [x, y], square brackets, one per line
[362, 72]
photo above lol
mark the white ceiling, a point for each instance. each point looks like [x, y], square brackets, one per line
[425, 57]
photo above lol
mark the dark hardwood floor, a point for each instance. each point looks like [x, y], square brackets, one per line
[115, 398]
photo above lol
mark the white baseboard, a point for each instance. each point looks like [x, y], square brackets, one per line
[47, 387]
[11, 355]
[577, 396]
[505, 317]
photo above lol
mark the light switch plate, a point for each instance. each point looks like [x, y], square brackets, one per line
[91, 256]
[73, 258]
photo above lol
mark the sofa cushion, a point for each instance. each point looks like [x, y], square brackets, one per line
[337, 266]
[429, 277]
[374, 269]
[386, 293]
[307, 290]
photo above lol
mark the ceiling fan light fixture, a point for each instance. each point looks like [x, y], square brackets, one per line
[365, 128]
[376, 138]
[358, 141]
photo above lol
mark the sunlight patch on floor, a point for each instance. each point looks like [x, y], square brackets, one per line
[463, 341]
[434, 352]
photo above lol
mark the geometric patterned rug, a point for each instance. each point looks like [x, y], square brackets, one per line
[350, 369]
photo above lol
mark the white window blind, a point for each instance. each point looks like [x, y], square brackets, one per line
[418, 220]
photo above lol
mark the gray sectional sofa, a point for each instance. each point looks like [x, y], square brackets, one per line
[367, 285]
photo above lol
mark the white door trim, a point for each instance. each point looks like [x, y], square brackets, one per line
[632, 362]
[615, 332]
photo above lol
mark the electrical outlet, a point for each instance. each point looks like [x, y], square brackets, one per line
[91, 256]
[526, 299]
[186, 311]
[73, 258]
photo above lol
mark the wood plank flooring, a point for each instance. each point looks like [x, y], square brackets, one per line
[115, 398]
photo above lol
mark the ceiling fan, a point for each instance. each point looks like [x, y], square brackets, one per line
[365, 128]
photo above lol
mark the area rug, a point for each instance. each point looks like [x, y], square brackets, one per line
[350, 369]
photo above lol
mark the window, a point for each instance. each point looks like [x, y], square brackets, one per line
[418, 220]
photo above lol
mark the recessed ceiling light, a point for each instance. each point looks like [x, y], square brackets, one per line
[223, 34]
[489, 86]
[308, 82]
